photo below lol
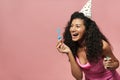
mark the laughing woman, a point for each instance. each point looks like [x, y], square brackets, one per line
[88, 50]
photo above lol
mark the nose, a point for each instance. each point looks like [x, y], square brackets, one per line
[72, 29]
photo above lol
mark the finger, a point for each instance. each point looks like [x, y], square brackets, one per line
[59, 45]
[63, 46]
[107, 63]
[109, 58]
[59, 41]
[107, 66]
[105, 59]
[61, 50]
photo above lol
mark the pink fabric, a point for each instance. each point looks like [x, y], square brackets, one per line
[96, 71]
[86, 66]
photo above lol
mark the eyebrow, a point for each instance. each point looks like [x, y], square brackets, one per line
[77, 24]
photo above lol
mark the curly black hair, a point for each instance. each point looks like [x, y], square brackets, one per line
[92, 38]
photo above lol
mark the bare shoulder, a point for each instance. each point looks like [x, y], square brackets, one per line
[106, 46]
[107, 51]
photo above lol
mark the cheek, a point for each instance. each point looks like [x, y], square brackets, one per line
[70, 29]
[81, 31]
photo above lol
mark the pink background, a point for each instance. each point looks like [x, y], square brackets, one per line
[28, 36]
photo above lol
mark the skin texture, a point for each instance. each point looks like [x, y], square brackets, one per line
[75, 69]
[77, 31]
[77, 27]
[112, 63]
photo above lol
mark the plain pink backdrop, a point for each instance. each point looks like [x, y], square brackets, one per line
[28, 36]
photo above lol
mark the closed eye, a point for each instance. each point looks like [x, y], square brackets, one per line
[78, 25]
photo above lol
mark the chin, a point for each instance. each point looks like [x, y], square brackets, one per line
[75, 40]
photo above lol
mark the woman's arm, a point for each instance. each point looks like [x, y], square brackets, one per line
[75, 69]
[113, 62]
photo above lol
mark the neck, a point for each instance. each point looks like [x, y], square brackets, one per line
[81, 43]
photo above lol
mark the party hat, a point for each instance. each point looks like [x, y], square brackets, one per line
[86, 10]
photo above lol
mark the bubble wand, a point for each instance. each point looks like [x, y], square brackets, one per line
[59, 35]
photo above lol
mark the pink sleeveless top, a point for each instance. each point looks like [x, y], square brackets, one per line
[86, 66]
[96, 71]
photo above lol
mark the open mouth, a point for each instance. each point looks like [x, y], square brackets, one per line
[76, 34]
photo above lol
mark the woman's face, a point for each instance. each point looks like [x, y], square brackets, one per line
[77, 29]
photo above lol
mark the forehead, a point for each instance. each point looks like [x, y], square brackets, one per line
[77, 21]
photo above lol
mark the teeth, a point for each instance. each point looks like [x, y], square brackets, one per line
[75, 34]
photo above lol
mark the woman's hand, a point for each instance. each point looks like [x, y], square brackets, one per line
[75, 68]
[62, 48]
[108, 63]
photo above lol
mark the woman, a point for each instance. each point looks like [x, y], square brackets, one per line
[88, 50]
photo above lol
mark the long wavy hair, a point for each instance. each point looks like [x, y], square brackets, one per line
[92, 38]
